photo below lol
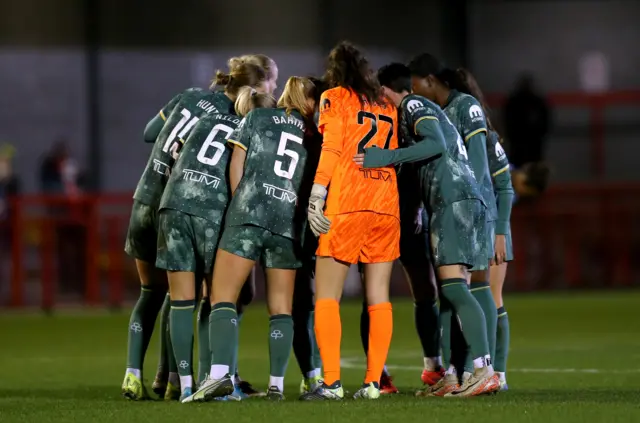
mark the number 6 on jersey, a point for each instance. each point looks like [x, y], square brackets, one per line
[211, 142]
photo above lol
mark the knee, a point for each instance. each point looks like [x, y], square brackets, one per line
[182, 290]
[375, 297]
[280, 307]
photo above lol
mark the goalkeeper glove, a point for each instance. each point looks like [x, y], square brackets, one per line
[318, 222]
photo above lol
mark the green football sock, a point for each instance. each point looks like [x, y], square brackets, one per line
[172, 365]
[502, 341]
[280, 343]
[234, 364]
[446, 311]
[427, 321]
[460, 356]
[141, 325]
[223, 334]
[481, 291]
[204, 354]
[470, 315]
[181, 323]
[165, 343]
[315, 350]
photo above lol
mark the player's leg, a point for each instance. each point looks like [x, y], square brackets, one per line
[243, 387]
[330, 277]
[141, 244]
[381, 249]
[481, 290]
[204, 353]
[280, 259]
[451, 258]
[183, 302]
[337, 250]
[167, 371]
[240, 246]
[386, 381]
[427, 319]
[415, 258]
[303, 333]
[178, 255]
[463, 218]
[498, 274]
[280, 286]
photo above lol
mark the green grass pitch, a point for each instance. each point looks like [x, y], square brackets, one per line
[575, 358]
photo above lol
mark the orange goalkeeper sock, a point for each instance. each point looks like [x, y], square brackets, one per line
[380, 330]
[328, 330]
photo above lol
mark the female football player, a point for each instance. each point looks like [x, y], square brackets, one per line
[415, 256]
[269, 174]
[501, 177]
[305, 347]
[180, 115]
[432, 80]
[247, 100]
[243, 388]
[456, 209]
[361, 221]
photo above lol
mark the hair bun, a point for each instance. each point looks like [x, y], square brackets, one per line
[222, 78]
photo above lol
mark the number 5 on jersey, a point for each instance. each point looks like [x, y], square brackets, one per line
[284, 151]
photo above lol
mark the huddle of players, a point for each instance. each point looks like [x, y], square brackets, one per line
[219, 193]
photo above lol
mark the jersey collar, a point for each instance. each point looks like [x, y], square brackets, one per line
[452, 94]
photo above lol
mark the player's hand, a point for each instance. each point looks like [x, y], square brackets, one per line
[418, 221]
[373, 157]
[500, 250]
[318, 222]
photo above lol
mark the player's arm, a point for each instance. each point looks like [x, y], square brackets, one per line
[153, 128]
[424, 124]
[475, 137]
[331, 126]
[504, 194]
[431, 147]
[240, 140]
[155, 125]
[236, 168]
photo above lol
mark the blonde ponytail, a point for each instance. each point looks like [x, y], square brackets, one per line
[296, 95]
[249, 99]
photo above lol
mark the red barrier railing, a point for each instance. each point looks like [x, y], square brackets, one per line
[596, 104]
[575, 236]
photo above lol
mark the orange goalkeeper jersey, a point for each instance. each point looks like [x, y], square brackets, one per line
[348, 128]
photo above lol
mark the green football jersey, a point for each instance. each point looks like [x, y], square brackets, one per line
[181, 115]
[498, 161]
[449, 178]
[282, 156]
[466, 114]
[198, 184]
[500, 174]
